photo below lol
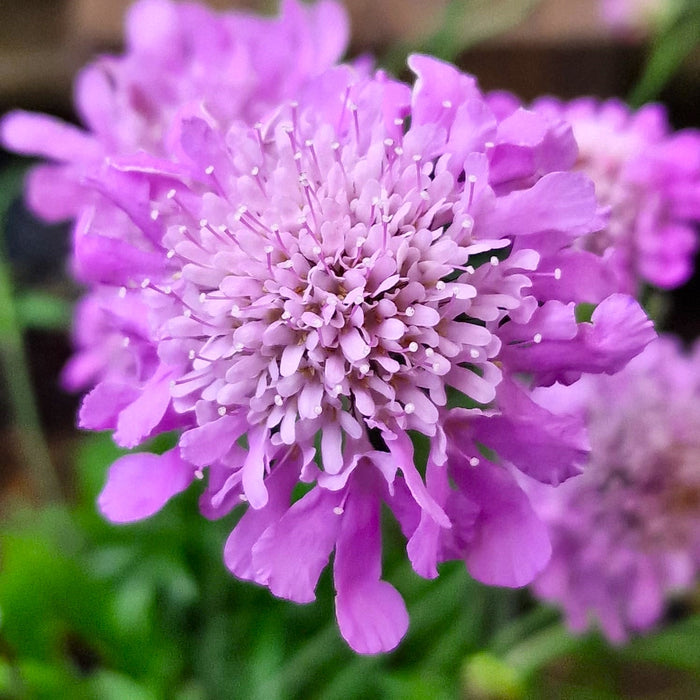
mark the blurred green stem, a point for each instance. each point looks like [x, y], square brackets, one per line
[20, 394]
[538, 649]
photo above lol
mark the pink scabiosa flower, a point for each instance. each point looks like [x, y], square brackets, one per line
[357, 293]
[650, 180]
[626, 533]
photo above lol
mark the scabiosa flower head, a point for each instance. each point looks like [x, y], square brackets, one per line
[650, 180]
[626, 532]
[347, 294]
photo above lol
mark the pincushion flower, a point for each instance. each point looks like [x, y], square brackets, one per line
[350, 294]
[647, 176]
[626, 533]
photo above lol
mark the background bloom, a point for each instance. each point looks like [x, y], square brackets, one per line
[650, 180]
[626, 533]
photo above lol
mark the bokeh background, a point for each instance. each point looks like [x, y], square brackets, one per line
[148, 611]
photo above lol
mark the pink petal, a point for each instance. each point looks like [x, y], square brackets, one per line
[371, 614]
[139, 485]
[291, 553]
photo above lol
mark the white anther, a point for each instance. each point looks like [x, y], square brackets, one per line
[338, 510]
[191, 354]
[398, 122]
[488, 145]
[537, 338]
[171, 194]
[474, 353]
[203, 223]
[493, 260]
[471, 179]
[221, 410]
[470, 269]
[297, 155]
[170, 254]
[413, 346]
[387, 218]
[167, 290]
[122, 292]
[335, 145]
[436, 366]
[468, 222]
[255, 171]
[318, 410]
[202, 297]
[424, 195]
[410, 311]
[316, 250]
[239, 347]
[557, 273]
[388, 142]
[198, 474]
[269, 249]
[398, 150]
[338, 389]
[446, 104]
[474, 461]
[235, 309]
[409, 408]
[286, 315]
[126, 341]
[145, 283]
[364, 368]
[154, 214]
[429, 352]
[416, 158]
[242, 497]
[440, 285]
[278, 400]
[186, 313]
[209, 169]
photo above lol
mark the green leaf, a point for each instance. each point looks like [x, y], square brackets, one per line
[677, 646]
[487, 676]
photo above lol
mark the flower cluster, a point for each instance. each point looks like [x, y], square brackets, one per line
[648, 178]
[349, 295]
[626, 532]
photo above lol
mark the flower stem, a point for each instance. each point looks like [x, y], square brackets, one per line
[20, 394]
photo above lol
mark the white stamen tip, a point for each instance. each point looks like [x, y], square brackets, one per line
[171, 194]
[409, 408]
[494, 260]
[126, 341]
[471, 179]
[364, 368]
[145, 283]
[436, 366]
[440, 285]
[410, 311]
[170, 254]
[191, 354]
[255, 171]
[468, 222]
[557, 273]
[209, 169]
[429, 352]
[318, 410]
[203, 223]
[243, 497]
[474, 353]
[154, 214]
[413, 346]
[538, 338]
[268, 249]
[474, 461]
[278, 400]
[446, 104]
[122, 292]
[202, 297]
[338, 510]
[221, 410]
[198, 474]
[398, 122]
[317, 250]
